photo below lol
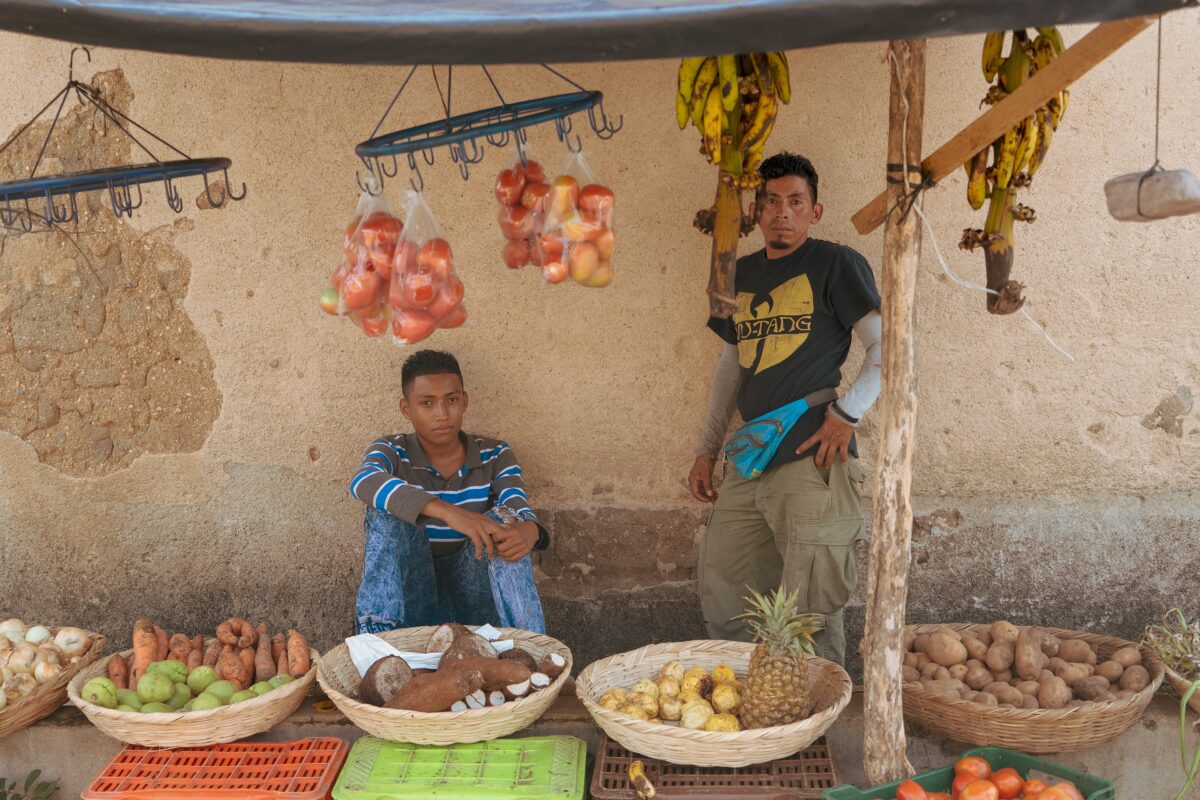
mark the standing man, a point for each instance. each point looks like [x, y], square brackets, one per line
[789, 510]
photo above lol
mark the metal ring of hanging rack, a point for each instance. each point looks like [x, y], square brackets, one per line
[123, 183]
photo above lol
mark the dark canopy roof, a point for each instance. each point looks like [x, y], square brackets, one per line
[526, 31]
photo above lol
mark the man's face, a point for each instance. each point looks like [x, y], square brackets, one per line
[785, 210]
[435, 405]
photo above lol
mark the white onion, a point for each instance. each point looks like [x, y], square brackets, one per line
[5, 646]
[3, 699]
[51, 654]
[19, 686]
[46, 671]
[13, 629]
[72, 641]
[37, 634]
[23, 659]
[5, 675]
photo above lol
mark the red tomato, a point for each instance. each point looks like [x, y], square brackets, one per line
[606, 242]
[532, 171]
[564, 195]
[379, 234]
[329, 301]
[348, 237]
[509, 184]
[435, 257]
[973, 765]
[598, 200]
[1034, 787]
[1009, 782]
[550, 245]
[910, 790]
[1056, 792]
[516, 253]
[554, 271]
[412, 326]
[417, 290]
[960, 781]
[516, 222]
[535, 196]
[582, 260]
[340, 273]
[374, 320]
[455, 318]
[449, 295]
[404, 258]
[1067, 789]
[360, 288]
[980, 789]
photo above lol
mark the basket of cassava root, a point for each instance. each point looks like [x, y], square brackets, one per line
[1039, 690]
[478, 691]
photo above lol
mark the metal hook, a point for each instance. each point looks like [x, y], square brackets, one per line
[215, 202]
[174, 198]
[232, 196]
[383, 169]
[373, 186]
[498, 138]
[416, 171]
[71, 64]
[476, 151]
[56, 214]
[464, 168]
[28, 217]
[7, 214]
[604, 128]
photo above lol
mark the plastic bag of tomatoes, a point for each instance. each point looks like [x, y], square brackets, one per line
[359, 285]
[521, 192]
[578, 235]
[424, 294]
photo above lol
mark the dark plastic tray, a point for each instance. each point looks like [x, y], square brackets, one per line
[800, 777]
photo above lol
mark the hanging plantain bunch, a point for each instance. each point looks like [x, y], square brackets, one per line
[1014, 158]
[733, 100]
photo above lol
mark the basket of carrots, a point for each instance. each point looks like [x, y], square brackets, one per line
[191, 691]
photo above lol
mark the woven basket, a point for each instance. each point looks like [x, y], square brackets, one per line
[49, 696]
[339, 678]
[1059, 730]
[1181, 685]
[194, 728]
[829, 684]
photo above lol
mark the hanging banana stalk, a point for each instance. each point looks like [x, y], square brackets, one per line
[1015, 157]
[733, 101]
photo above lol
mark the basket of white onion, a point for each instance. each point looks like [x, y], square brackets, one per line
[36, 664]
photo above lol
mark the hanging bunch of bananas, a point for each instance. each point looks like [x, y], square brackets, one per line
[1015, 157]
[733, 100]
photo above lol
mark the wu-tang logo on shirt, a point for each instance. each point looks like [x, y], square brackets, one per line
[772, 325]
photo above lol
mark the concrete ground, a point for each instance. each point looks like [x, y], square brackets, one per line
[1144, 763]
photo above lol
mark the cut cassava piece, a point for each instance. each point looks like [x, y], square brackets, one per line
[444, 635]
[468, 645]
[552, 665]
[383, 679]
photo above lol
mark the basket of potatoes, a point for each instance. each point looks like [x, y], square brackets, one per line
[1039, 690]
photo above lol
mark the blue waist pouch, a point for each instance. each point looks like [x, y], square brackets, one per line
[756, 442]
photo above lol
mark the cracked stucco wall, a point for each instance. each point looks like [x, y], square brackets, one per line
[1056, 490]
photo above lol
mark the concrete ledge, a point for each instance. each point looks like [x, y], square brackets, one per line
[1144, 763]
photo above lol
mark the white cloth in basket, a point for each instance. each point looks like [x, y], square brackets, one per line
[367, 648]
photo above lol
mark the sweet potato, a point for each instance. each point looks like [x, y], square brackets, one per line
[178, 647]
[145, 648]
[264, 665]
[212, 653]
[384, 678]
[432, 692]
[118, 671]
[161, 644]
[445, 635]
[299, 659]
[497, 672]
[230, 668]
[468, 646]
[278, 646]
[522, 657]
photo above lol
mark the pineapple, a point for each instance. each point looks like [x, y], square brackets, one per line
[777, 683]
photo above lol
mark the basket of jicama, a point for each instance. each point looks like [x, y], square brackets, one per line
[717, 703]
[1037, 690]
[445, 684]
[36, 664]
[192, 691]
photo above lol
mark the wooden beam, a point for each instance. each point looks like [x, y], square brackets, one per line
[884, 746]
[1075, 62]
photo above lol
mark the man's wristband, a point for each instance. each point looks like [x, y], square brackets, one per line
[843, 416]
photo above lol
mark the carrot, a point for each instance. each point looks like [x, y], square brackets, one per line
[299, 659]
[145, 646]
[161, 647]
[246, 656]
[281, 664]
[264, 665]
[230, 668]
[178, 647]
[212, 654]
[118, 671]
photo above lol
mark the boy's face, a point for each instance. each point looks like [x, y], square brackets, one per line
[435, 405]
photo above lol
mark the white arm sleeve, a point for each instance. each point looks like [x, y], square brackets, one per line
[865, 389]
[722, 399]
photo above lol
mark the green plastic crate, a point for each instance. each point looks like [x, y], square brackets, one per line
[939, 780]
[537, 768]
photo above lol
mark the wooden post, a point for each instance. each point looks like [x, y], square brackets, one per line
[884, 747]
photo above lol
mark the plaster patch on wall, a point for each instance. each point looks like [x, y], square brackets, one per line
[1169, 413]
[99, 363]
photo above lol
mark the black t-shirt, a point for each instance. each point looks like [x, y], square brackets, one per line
[792, 328]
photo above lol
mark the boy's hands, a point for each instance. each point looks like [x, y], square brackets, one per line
[483, 531]
[516, 540]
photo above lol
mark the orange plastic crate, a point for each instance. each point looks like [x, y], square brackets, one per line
[301, 770]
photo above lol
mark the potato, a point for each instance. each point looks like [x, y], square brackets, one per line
[613, 699]
[1072, 674]
[1028, 687]
[1000, 655]
[1054, 693]
[1004, 631]
[921, 643]
[941, 674]
[1004, 693]
[637, 712]
[969, 695]
[644, 702]
[975, 663]
[976, 649]
[929, 669]
[674, 670]
[1044, 674]
[1110, 670]
[910, 660]
[946, 648]
[668, 687]
[977, 678]
[1124, 694]
[1135, 678]
[696, 716]
[644, 686]
[1074, 650]
[958, 671]
[909, 636]
[1004, 676]
[945, 687]
[1028, 658]
[1050, 644]
[1029, 701]
[669, 708]
[1055, 664]
[985, 699]
[725, 698]
[910, 675]
[922, 660]
[1127, 656]
[1093, 688]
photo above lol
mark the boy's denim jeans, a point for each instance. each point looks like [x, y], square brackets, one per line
[404, 586]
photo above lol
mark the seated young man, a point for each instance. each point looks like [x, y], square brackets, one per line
[448, 525]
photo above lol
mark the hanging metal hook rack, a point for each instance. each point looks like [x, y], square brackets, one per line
[464, 135]
[123, 184]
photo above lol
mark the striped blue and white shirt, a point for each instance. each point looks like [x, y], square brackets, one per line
[397, 477]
